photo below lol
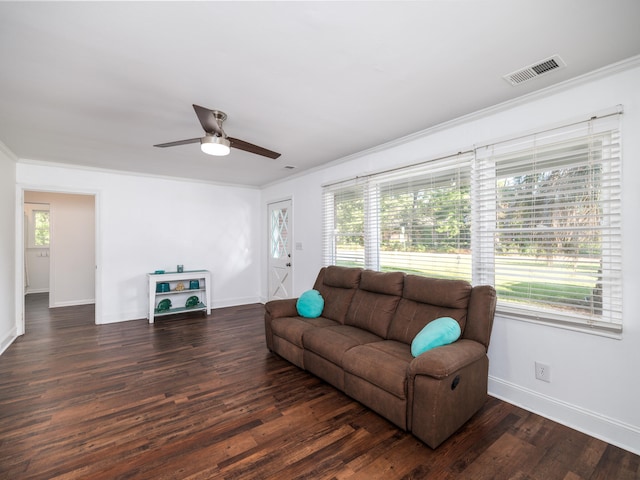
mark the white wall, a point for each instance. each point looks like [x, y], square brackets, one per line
[146, 223]
[72, 252]
[8, 330]
[594, 385]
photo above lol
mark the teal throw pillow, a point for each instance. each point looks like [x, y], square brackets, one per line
[310, 304]
[441, 331]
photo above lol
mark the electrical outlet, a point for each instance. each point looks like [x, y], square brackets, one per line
[543, 372]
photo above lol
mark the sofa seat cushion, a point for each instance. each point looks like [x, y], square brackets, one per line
[293, 328]
[332, 342]
[384, 364]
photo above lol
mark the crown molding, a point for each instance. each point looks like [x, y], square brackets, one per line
[7, 151]
[624, 65]
[45, 163]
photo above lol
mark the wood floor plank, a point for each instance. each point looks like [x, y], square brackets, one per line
[196, 397]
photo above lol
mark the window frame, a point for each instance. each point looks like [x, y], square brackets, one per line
[599, 137]
[371, 190]
[32, 210]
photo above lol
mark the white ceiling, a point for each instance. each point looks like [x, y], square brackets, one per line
[99, 83]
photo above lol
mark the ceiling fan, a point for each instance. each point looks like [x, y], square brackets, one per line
[216, 141]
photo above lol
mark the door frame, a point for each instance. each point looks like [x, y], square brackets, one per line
[20, 244]
[268, 243]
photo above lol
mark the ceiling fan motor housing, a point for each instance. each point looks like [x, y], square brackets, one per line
[219, 116]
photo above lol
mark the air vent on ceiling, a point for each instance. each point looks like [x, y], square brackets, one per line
[532, 71]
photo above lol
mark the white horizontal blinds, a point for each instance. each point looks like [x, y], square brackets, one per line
[344, 224]
[424, 218]
[483, 217]
[548, 213]
[415, 219]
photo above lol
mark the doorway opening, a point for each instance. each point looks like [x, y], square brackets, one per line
[59, 250]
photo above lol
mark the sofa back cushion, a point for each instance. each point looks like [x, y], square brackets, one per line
[337, 286]
[425, 299]
[375, 302]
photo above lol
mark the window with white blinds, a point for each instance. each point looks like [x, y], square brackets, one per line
[343, 225]
[547, 232]
[538, 217]
[415, 219]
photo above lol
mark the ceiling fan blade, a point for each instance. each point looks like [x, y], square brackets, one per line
[251, 148]
[179, 142]
[208, 120]
[211, 121]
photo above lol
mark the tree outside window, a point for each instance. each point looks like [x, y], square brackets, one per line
[41, 228]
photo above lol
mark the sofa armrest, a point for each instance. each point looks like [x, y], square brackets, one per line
[482, 308]
[277, 309]
[442, 361]
[447, 385]
[282, 308]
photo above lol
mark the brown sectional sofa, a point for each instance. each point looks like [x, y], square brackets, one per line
[361, 345]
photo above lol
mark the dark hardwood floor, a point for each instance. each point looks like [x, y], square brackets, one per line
[196, 397]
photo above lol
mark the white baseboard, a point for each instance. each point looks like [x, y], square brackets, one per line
[232, 302]
[73, 303]
[36, 290]
[594, 424]
[8, 339]
[123, 317]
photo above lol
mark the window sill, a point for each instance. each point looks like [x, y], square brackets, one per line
[565, 322]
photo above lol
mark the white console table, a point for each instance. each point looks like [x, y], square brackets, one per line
[178, 298]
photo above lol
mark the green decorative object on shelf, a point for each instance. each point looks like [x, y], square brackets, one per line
[192, 301]
[164, 305]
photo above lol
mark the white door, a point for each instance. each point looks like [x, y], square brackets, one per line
[280, 240]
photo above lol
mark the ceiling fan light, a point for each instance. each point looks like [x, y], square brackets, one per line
[217, 146]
